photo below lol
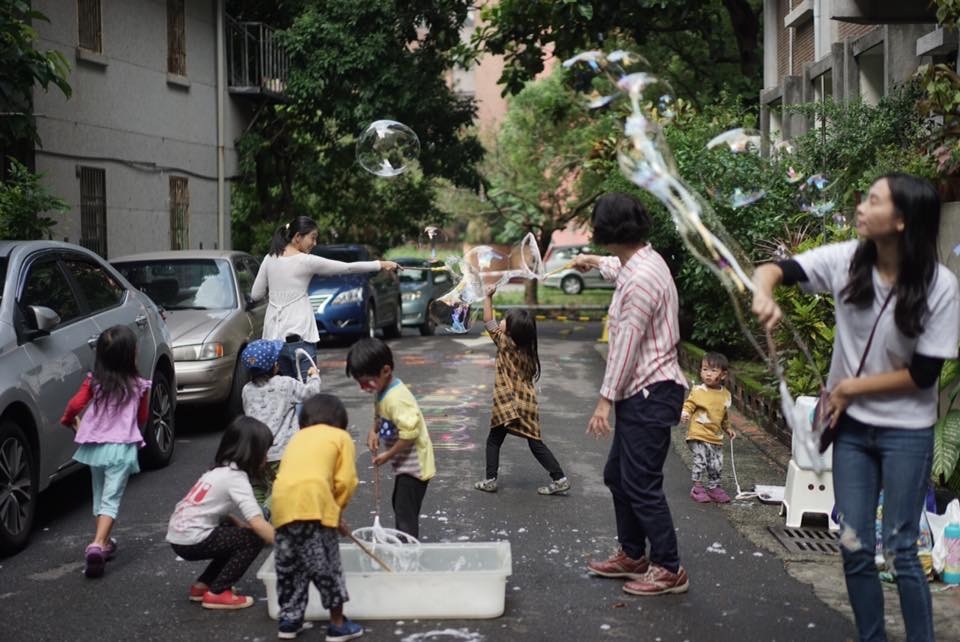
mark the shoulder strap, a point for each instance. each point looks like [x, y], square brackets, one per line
[866, 348]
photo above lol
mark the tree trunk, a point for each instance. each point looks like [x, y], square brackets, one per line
[746, 29]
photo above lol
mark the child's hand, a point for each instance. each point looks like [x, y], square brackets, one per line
[684, 417]
[732, 434]
[381, 459]
[343, 528]
[373, 441]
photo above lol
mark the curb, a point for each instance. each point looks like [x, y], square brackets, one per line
[576, 313]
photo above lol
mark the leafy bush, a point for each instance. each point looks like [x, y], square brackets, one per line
[22, 201]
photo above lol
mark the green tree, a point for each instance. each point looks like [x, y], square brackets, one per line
[352, 63]
[22, 198]
[701, 48]
[21, 68]
[540, 173]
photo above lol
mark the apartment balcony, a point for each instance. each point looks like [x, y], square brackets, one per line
[884, 11]
[257, 65]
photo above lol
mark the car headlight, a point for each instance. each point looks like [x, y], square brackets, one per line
[198, 352]
[348, 296]
[411, 296]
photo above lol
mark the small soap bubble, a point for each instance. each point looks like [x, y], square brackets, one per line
[387, 148]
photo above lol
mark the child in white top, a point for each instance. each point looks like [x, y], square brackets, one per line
[203, 527]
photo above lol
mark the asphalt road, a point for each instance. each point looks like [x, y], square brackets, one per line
[738, 592]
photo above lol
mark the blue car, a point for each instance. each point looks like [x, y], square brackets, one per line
[355, 305]
[419, 288]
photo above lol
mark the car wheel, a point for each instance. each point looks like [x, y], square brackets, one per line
[394, 330]
[18, 488]
[234, 403]
[159, 432]
[571, 284]
[429, 326]
[371, 321]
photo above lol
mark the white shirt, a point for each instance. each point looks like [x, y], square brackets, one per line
[275, 404]
[211, 499]
[286, 279]
[828, 270]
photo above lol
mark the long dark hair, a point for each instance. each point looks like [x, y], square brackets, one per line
[302, 225]
[918, 205]
[115, 368]
[522, 329]
[245, 442]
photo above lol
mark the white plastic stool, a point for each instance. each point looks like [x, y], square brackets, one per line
[807, 492]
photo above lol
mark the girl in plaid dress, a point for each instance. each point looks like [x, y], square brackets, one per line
[515, 408]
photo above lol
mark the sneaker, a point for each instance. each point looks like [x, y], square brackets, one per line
[619, 565]
[110, 550]
[95, 561]
[226, 600]
[487, 485]
[197, 591]
[659, 581]
[699, 494]
[718, 495]
[561, 485]
[346, 631]
[289, 630]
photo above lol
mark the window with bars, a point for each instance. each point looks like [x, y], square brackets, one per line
[179, 213]
[176, 38]
[88, 25]
[93, 209]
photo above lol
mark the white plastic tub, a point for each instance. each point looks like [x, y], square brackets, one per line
[461, 580]
[800, 455]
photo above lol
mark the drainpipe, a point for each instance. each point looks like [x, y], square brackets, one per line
[221, 73]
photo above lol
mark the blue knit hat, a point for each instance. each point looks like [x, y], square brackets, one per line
[261, 355]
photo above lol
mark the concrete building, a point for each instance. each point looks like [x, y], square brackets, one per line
[143, 151]
[841, 49]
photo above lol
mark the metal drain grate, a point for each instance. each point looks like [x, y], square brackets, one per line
[807, 540]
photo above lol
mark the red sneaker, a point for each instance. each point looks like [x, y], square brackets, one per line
[699, 494]
[659, 581]
[619, 565]
[197, 591]
[718, 495]
[226, 600]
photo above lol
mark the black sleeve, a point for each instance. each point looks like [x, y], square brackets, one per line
[792, 272]
[925, 370]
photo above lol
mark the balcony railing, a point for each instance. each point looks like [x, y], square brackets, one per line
[256, 63]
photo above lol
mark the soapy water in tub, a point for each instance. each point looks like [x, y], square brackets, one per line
[400, 551]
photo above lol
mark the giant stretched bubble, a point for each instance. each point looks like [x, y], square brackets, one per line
[387, 148]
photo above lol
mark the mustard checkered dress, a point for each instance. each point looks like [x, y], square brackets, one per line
[514, 395]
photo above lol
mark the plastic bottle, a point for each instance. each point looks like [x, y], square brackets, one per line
[951, 539]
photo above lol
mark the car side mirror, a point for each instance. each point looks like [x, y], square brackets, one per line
[41, 319]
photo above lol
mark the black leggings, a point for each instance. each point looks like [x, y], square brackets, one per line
[537, 447]
[408, 492]
[232, 550]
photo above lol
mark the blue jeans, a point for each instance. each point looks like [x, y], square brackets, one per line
[634, 472]
[865, 459]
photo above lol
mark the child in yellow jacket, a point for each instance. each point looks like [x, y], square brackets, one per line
[707, 411]
[316, 480]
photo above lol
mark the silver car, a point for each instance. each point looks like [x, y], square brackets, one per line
[205, 296]
[56, 300]
[569, 280]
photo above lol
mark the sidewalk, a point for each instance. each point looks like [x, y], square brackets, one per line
[761, 459]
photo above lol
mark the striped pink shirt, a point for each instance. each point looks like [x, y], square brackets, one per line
[643, 325]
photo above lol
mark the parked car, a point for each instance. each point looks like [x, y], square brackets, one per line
[56, 299]
[355, 304]
[205, 295]
[569, 280]
[418, 289]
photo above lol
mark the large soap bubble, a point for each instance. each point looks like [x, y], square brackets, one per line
[386, 148]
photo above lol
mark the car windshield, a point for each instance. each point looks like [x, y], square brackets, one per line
[413, 275]
[347, 255]
[184, 284]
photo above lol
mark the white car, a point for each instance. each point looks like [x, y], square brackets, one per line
[569, 280]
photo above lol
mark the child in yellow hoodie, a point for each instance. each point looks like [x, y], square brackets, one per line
[707, 410]
[316, 480]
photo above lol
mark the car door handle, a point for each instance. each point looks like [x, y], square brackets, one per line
[92, 341]
[141, 321]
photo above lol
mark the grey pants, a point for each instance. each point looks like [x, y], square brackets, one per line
[308, 552]
[709, 458]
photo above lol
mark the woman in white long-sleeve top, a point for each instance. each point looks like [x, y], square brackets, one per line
[284, 278]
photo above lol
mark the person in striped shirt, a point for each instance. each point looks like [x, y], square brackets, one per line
[643, 382]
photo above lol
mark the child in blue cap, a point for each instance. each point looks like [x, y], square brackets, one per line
[273, 399]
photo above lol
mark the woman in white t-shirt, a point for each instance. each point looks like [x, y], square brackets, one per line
[891, 285]
[285, 276]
